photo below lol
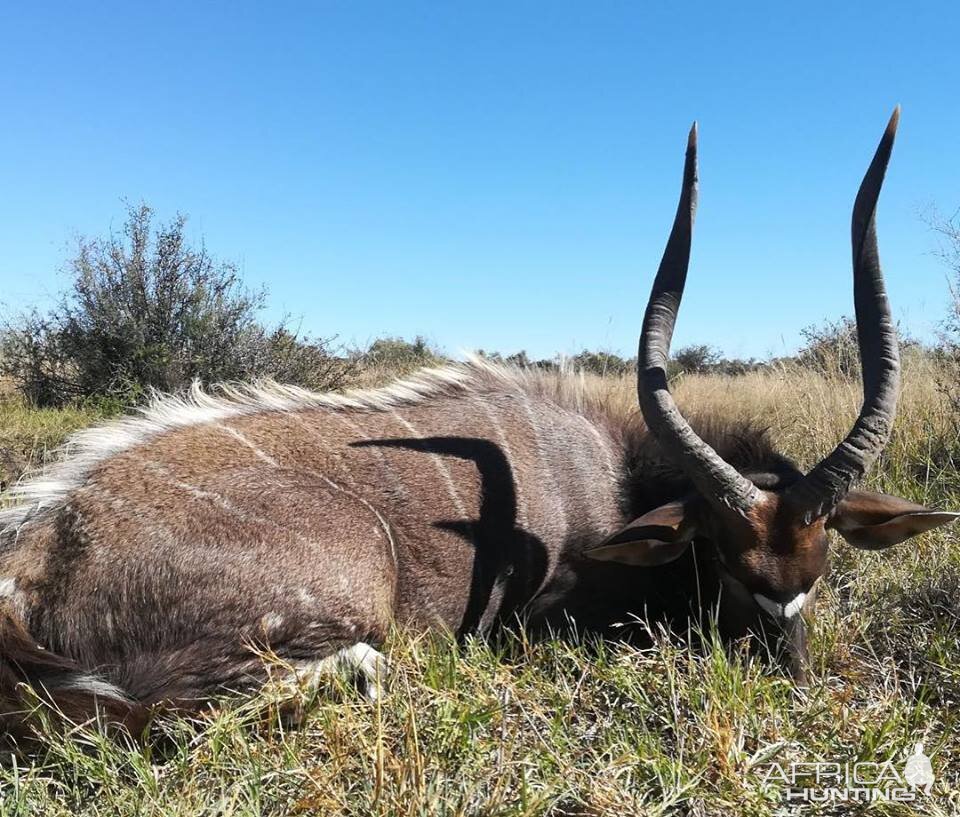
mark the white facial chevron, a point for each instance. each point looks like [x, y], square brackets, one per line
[777, 610]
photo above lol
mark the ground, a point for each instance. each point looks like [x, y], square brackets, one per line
[565, 728]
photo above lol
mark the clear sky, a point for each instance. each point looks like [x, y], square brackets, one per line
[495, 175]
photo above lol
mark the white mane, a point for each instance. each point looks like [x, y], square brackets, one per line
[86, 449]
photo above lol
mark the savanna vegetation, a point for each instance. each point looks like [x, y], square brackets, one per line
[549, 727]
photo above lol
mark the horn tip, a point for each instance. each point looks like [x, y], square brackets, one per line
[893, 123]
[692, 137]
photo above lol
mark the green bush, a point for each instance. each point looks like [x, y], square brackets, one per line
[695, 359]
[602, 363]
[397, 356]
[948, 351]
[145, 309]
[831, 348]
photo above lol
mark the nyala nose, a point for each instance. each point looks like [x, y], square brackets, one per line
[778, 610]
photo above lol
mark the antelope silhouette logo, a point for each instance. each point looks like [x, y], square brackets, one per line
[918, 771]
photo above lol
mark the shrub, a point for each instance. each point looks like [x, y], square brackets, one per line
[145, 309]
[522, 359]
[831, 348]
[948, 352]
[695, 359]
[602, 363]
[392, 356]
[738, 366]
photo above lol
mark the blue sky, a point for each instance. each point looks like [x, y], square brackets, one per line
[488, 175]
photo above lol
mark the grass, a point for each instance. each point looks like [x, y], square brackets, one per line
[29, 436]
[560, 727]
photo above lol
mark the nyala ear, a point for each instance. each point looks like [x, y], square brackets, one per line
[657, 537]
[875, 521]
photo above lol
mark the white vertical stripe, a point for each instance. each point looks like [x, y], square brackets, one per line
[221, 502]
[398, 485]
[336, 486]
[487, 409]
[553, 492]
[442, 469]
[604, 443]
[261, 454]
[383, 522]
[332, 450]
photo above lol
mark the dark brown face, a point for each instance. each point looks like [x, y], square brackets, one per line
[772, 554]
[770, 563]
[770, 558]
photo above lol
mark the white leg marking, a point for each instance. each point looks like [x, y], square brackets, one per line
[12, 596]
[360, 659]
[270, 622]
[84, 682]
[373, 666]
[8, 587]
